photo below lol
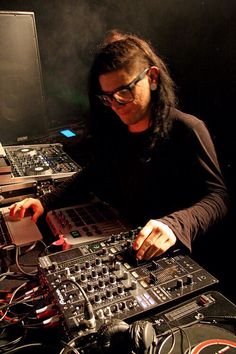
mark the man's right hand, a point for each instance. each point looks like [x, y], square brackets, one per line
[19, 209]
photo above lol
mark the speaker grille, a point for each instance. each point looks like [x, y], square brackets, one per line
[22, 105]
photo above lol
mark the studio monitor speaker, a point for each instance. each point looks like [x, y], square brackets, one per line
[22, 105]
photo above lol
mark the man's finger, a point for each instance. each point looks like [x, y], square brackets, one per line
[141, 237]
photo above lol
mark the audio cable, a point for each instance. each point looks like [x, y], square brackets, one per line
[89, 318]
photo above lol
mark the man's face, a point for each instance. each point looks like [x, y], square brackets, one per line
[137, 113]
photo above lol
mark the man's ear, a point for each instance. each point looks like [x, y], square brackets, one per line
[153, 75]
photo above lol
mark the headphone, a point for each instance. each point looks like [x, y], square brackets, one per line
[117, 336]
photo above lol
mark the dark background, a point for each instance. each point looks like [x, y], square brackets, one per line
[195, 37]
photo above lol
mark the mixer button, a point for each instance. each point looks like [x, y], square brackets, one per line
[115, 308]
[75, 233]
[122, 305]
[100, 314]
[135, 275]
[127, 266]
[107, 311]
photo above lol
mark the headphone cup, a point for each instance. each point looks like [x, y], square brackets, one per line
[116, 336]
[142, 336]
[113, 337]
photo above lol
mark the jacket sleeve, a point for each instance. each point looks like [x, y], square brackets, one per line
[72, 190]
[212, 207]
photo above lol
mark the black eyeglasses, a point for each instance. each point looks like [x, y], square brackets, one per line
[123, 94]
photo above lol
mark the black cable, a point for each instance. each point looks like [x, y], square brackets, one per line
[68, 346]
[188, 350]
[19, 302]
[19, 267]
[15, 350]
[172, 333]
[13, 342]
[88, 309]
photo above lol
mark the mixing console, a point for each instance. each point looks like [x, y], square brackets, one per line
[39, 160]
[32, 170]
[116, 284]
[85, 222]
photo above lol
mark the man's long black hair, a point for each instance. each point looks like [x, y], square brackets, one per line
[125, 51]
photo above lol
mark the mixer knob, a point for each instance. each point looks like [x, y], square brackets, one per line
[179, 283]
[131, 233]
[112, 279]
[129, 243]
[109, 294]
[98, 262]
[54, 266]
[94, 274]
[134, 285]
[90, 288]
[101, 283]
[113, 238]
[105, 270]
[83, 277]
[77, 268]
[117, 266]
[189, 280]
[87, 265]
[111, 258]
[97, 298]
[120, 289]
[125, 275]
